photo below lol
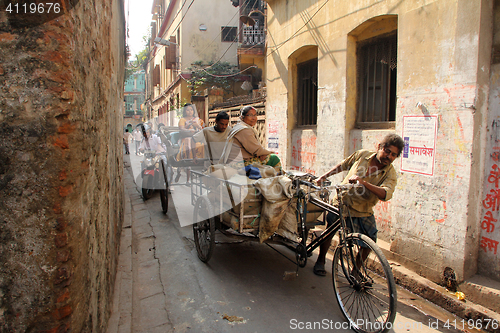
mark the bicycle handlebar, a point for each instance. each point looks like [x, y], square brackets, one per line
[309, 184]
[336, 187]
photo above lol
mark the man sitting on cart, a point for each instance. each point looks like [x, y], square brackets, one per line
[214, 137]
[373, 170]
[243, 147]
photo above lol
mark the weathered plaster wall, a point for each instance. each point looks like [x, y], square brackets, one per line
[206, 45]
[61, 190]
[430, 220]
[432, 212]
[489, 253]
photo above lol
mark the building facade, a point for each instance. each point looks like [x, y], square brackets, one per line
[200, 32]
[252, 41]
[341, 75]
[134, 93]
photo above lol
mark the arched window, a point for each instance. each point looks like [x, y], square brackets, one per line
[377, 68]
[307, 92]
[376, 45]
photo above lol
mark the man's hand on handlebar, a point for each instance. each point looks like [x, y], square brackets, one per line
[320, 180]
[356, 180]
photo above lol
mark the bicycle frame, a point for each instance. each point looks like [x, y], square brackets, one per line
[339, 224]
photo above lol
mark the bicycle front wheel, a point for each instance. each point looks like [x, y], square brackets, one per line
[365, 291]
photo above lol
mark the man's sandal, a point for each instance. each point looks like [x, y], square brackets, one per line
[319, 269]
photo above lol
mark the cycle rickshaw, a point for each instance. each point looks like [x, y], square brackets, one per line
[365, 291]
[170, 137]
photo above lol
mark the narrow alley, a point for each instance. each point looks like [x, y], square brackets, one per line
[162, 286]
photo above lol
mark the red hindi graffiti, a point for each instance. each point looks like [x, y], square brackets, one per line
[494, 175]
[488, 222]
[492, 200]
[488, 245]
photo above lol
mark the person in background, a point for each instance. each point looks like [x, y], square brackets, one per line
[189, 125]
[152, 142]
[127, 139]
[137, 139]
[214, 137]
[243, 147]
[373, 170]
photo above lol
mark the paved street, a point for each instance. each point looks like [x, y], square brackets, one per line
[162, 286]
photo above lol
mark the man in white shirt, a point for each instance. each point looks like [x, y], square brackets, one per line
[214, 137]
[137, 138]
[152, 142]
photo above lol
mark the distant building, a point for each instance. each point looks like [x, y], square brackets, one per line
[204, 31]
[134, 92]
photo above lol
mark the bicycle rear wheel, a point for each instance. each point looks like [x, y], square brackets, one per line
[204, 228]
[365, 292]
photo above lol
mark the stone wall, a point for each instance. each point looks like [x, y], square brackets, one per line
[61, 191]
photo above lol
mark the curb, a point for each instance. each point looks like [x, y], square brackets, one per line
[474, 316]
[121, 313]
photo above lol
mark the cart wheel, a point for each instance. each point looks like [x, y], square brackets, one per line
[147, 191]
[301, 255]
[164, 192]
[204, 228]
[164, 201]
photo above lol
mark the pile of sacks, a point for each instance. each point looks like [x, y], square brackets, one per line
[269, 206]
[238, 188]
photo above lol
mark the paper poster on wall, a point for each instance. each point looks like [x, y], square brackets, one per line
[419, 135]
[272, 136]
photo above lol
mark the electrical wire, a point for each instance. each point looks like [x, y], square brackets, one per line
[167, 29]
[229, 75]
[182, 19]
[296, 32]
[220, 58]
[230, 45]
[205, 69]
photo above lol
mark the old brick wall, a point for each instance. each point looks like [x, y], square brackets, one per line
[61, 190]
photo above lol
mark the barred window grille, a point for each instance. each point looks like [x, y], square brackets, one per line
[307, 95]
[377, 68]
[229, 34]
[254, 35]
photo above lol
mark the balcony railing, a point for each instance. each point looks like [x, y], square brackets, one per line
[253, 35]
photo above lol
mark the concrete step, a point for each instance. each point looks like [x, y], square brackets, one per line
[478, 297]
[482, 290]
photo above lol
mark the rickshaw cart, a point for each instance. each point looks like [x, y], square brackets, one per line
[365, 290]
[214, 213]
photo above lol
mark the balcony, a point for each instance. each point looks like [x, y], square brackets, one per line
[253, 41]
[253, 36]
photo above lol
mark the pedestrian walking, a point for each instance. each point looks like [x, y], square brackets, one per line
[137, 139]
[127, 138]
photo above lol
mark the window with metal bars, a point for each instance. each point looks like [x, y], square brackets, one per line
[377, 68]
[229, 34]
[307, 94]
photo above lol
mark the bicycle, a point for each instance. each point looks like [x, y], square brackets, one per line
[365, 290]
